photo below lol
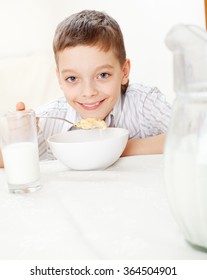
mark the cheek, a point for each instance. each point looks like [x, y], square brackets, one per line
[114, 95]
[68, 93]
[115, 89]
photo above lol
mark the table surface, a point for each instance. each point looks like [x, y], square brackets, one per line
[118, 213]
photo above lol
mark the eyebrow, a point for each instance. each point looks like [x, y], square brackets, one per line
[108, 66]
[105, 66]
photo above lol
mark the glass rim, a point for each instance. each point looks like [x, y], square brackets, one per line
[18, 113]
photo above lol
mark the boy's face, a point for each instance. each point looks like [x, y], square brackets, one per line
[91, 79]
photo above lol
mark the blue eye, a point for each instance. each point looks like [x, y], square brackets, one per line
[104, 75]
[71, 79]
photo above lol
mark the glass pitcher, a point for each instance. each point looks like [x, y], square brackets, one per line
[185, 152]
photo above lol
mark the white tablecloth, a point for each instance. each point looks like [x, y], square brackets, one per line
[119, 213]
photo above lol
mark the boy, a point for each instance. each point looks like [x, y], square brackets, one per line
[93, 72]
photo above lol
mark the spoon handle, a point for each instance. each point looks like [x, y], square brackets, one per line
[58, 118]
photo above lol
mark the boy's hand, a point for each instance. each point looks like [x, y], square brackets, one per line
[20, 106]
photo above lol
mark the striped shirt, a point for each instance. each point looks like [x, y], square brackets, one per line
[142, 110]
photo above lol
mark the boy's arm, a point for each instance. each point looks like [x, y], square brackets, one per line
[150, 145]
[145, 146]
[1, 160]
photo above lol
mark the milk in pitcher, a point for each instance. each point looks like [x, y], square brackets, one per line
[186, 182]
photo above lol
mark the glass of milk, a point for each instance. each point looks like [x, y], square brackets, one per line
[20, 151]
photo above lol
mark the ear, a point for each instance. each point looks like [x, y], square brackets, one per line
[58, 77]
[126, 70]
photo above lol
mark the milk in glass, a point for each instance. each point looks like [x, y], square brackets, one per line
[21, 162]
[20, 151]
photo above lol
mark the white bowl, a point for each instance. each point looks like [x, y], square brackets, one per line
[89, 149]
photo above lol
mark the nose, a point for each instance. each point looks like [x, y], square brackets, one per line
[89, 89]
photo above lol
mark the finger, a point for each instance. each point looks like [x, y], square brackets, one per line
[20, 106]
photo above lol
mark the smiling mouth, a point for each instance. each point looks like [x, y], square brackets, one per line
[91, 106]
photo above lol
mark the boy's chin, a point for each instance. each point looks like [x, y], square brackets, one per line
[94, 116]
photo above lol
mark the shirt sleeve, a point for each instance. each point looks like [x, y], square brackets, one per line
[156, 113]
[47, 127]
[44, 150]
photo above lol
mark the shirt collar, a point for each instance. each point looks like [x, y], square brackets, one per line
[113, 117]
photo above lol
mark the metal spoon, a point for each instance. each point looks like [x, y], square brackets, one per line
[84, 124]
[58, 118]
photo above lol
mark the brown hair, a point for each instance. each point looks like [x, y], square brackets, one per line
[90, 28]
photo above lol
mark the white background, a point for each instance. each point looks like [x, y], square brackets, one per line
[28, 25]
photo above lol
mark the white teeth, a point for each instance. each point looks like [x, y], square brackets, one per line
[91, 105]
